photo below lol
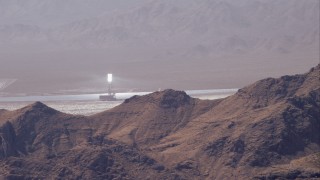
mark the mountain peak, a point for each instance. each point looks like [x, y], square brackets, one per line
[285, 86]
[39, 107]
[38, 104]
[168, 98]
[172, 98]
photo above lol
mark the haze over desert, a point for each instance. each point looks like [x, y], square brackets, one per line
[160, 89]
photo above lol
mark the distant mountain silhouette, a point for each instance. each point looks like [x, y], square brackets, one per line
[223, 42]
[267, 130]
[193, 25]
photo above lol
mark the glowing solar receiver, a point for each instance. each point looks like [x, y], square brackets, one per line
[110, 96]
[109, 78]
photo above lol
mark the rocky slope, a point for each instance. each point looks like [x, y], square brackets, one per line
[145, 120]
[267, 130]
[263, 126]
[40, 142]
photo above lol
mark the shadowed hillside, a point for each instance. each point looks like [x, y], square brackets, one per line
[267, 130]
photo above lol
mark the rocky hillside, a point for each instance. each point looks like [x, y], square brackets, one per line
[145, 120]
[267, 130]
[40, 142]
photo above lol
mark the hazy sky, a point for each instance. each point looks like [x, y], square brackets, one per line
[70, 45]
[50, 13]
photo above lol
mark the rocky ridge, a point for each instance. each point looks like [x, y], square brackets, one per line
[267, 130]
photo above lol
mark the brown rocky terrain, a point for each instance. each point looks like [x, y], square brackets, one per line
[40, 142]
[267, 130]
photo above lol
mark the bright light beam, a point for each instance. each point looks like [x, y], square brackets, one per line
[109, 78]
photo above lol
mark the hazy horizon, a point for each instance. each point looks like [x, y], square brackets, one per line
[52, 46]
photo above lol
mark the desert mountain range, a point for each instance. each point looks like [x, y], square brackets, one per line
[224, 43]
[200, 28]
[267, 130]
